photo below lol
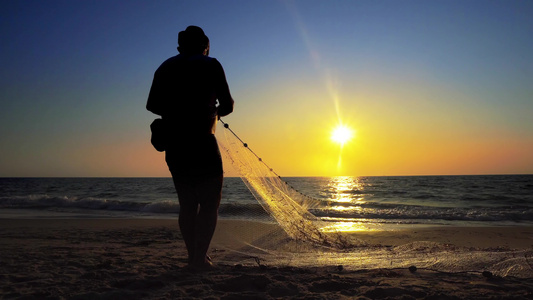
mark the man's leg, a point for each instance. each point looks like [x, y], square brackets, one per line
[188, 213]
[209, 193]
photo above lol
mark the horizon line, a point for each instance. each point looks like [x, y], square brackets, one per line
[291, 176]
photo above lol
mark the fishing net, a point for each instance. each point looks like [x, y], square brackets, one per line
[302, 239]
[285, 204]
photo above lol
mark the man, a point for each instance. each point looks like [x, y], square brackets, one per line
[190, 92]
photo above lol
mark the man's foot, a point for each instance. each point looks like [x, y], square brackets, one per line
[206, 265]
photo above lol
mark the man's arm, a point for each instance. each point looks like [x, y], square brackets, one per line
[222, 89]
[154, 97]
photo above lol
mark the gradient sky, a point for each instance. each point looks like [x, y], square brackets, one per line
[430, 87]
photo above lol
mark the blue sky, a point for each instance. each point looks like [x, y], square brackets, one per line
[453, 78]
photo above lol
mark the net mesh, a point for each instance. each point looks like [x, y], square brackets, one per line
[309, 241]
[286, 205]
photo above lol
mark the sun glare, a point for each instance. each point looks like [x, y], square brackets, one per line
[341, 134]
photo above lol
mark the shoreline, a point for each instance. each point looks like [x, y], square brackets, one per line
[146, 259]
[512, 237]
[346, 225]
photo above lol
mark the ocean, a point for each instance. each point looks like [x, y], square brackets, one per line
[373, 202]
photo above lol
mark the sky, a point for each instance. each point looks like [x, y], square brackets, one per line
[427, 87]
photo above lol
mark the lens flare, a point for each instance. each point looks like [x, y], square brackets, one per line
[341, 134]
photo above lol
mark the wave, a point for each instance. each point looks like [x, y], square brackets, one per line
[43, 202]
[413, 212]
[369, 210]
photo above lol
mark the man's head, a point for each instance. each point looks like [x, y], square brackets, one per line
[193, 41]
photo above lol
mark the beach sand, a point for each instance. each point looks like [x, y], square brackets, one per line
[146, 259]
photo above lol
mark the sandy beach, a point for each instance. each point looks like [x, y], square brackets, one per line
[146, 259]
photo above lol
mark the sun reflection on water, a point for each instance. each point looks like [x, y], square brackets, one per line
[346, 189]
[350, 226]
[346, 195]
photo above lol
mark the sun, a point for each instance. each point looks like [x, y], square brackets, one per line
[341, 134]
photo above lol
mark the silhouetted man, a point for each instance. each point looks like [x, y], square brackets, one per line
[190, 92]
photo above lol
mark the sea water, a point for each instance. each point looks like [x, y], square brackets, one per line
[487, 200]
